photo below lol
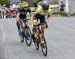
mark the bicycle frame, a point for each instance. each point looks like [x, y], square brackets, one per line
[39, 39]
[40, 30]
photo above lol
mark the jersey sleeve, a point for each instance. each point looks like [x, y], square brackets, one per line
[38, 10]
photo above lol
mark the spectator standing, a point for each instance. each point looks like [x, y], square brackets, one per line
[62, 7]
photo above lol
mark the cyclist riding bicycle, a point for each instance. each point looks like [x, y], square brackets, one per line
[22, 15]
[39, 15]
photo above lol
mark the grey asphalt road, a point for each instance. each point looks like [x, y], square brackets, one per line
[60, 37]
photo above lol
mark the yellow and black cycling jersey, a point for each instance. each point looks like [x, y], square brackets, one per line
[40, 15]
[41, 11]
[24, 13]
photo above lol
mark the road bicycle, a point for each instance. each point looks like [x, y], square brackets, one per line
[39, 38]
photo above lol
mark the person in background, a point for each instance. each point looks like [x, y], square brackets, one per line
[62, 7]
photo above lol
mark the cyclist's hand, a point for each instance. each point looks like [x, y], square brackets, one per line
[46, 25]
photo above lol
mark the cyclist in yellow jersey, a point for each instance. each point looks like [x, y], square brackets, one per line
[40, 14]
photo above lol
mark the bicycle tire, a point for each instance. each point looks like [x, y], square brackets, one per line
[44, 46]
[36, 44]
[26, 36]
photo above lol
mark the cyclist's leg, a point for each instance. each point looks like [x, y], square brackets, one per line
[42, 20]
[24, 24]
[33, 33]
[18, 25]
[33, 28]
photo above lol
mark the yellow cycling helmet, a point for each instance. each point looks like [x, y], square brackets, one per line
[24, 4]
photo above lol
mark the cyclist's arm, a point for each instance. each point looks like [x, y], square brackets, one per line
[32, 16]
[17, 17]
[49, 15]
[36, 11]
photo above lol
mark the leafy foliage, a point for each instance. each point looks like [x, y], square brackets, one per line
[3, 1]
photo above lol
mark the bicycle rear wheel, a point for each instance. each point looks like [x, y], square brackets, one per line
[44, 46]
[28, 38]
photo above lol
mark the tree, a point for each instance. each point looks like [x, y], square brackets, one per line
[32, 2]
[3, 1]
[35, 2]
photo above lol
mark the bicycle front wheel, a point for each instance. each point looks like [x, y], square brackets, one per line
[43, 46]
[28, 38]
[36, 42]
